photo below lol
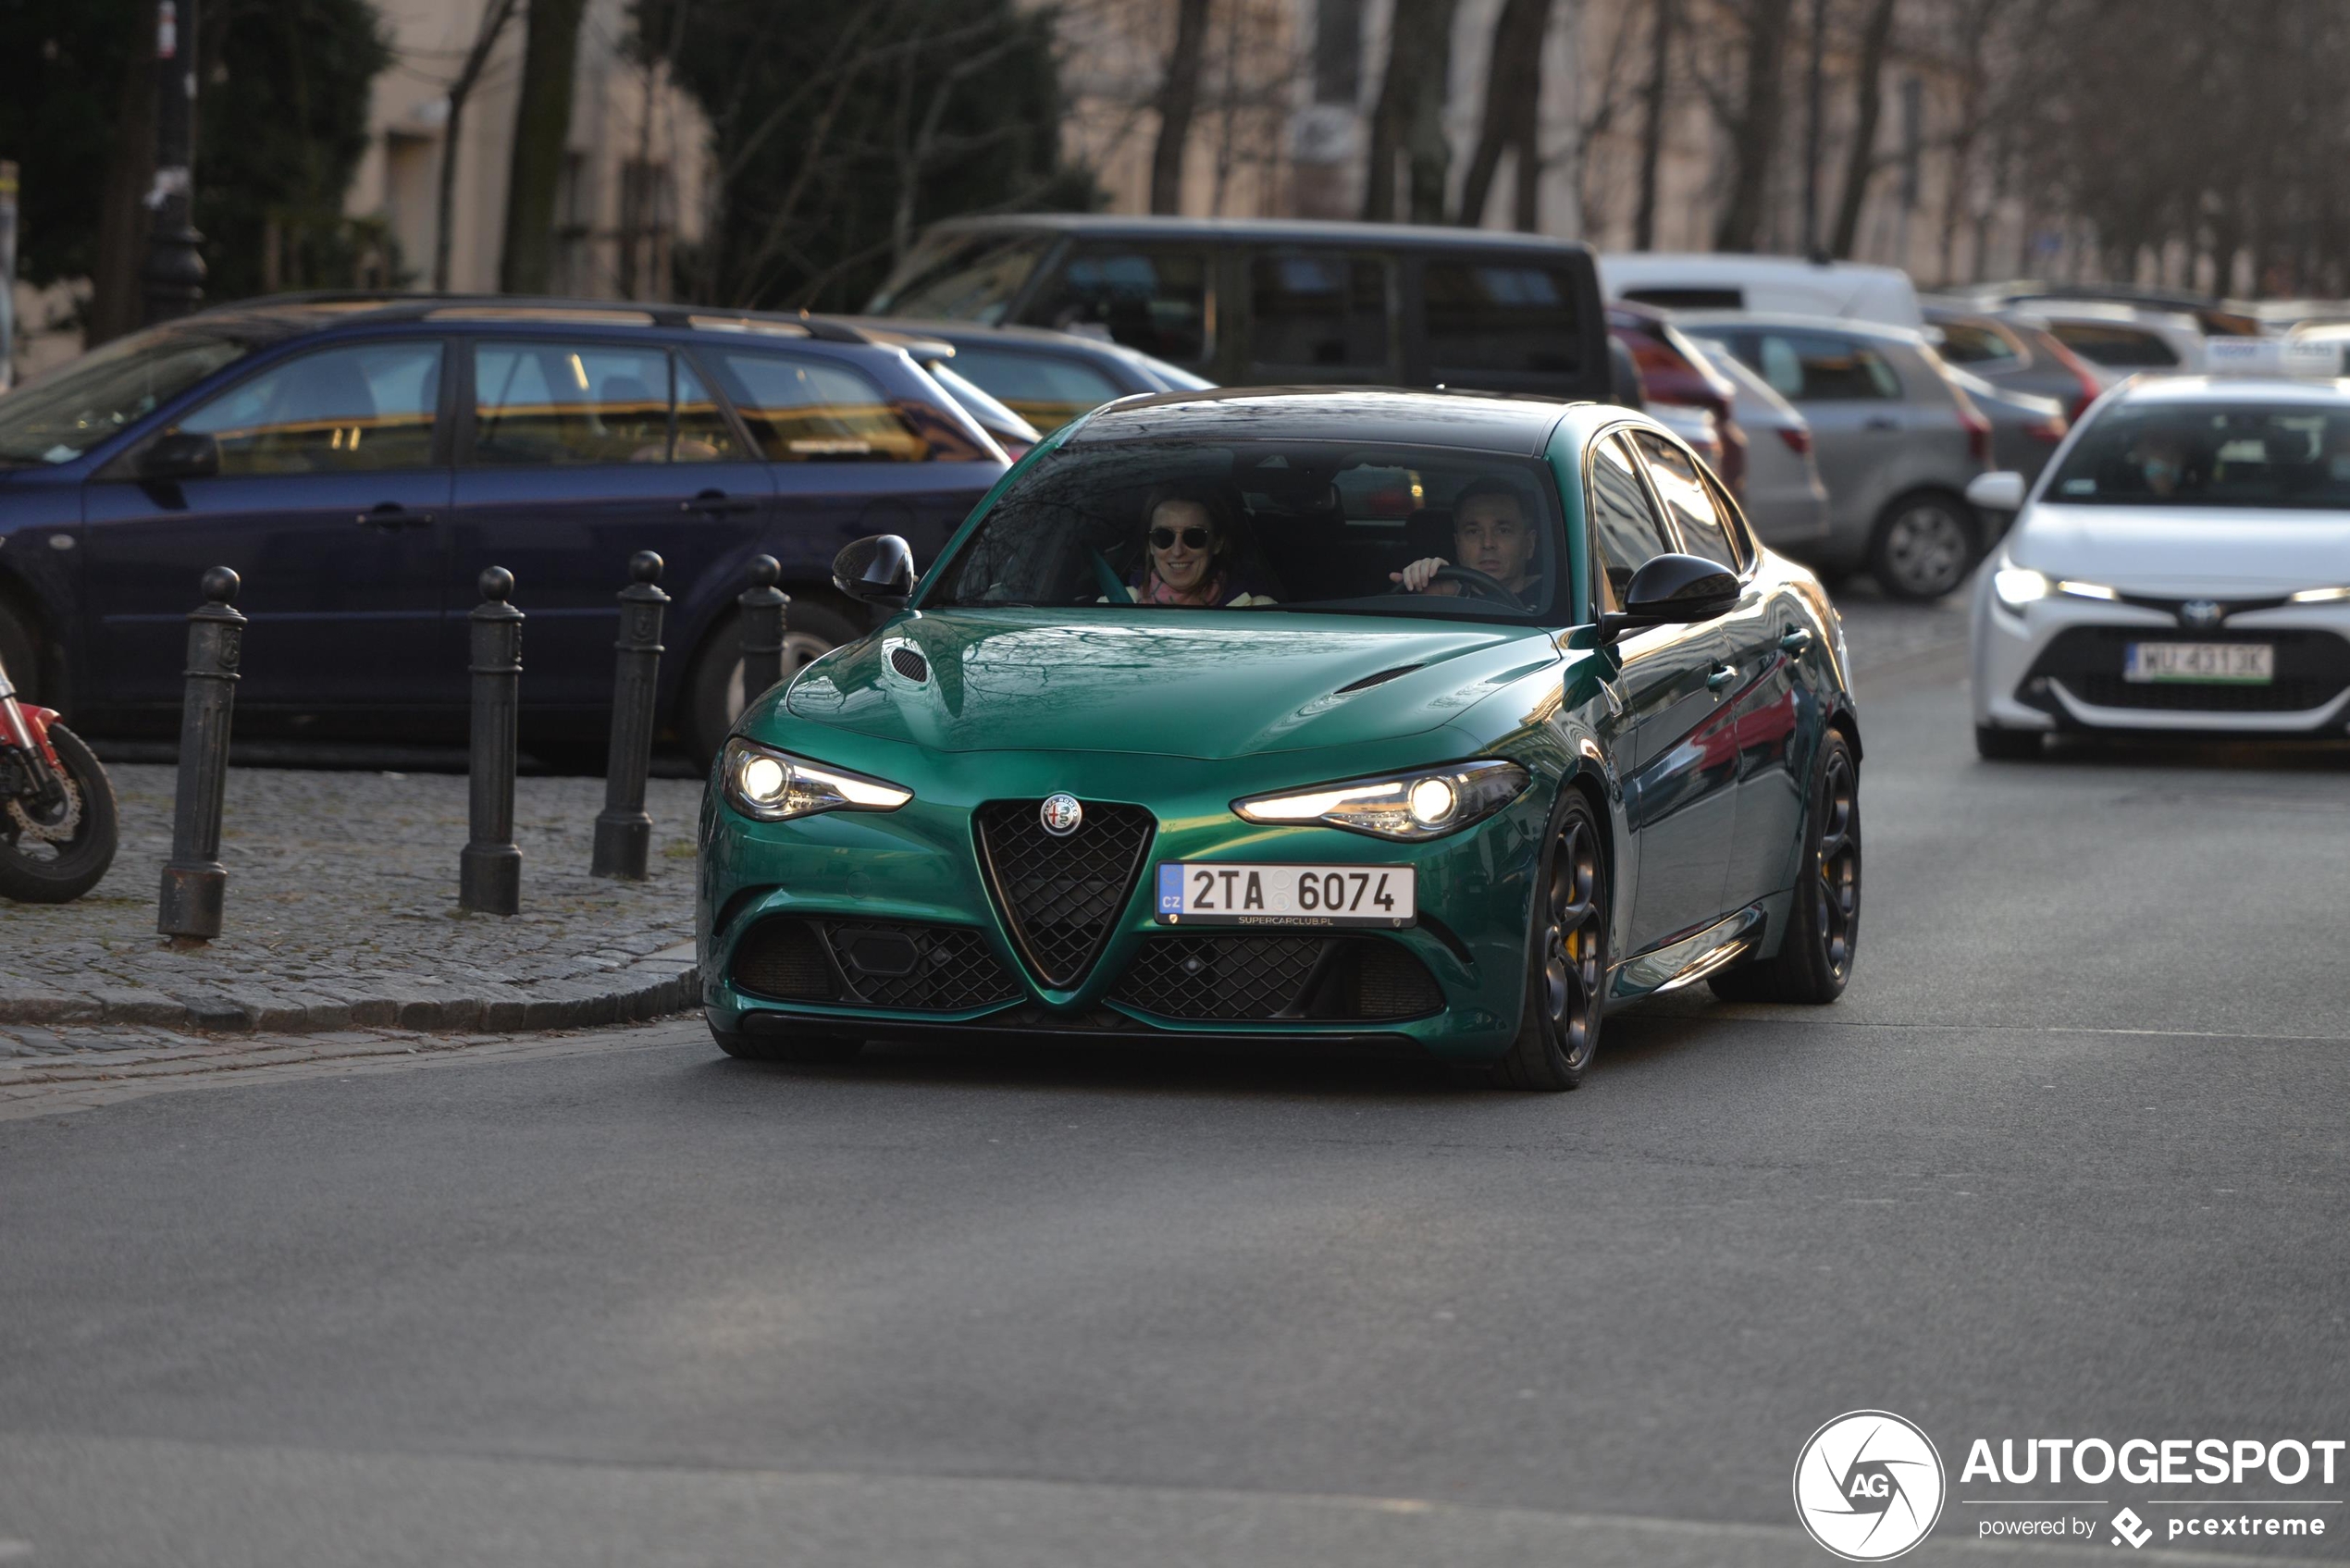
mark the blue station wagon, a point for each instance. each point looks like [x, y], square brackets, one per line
[359, 461]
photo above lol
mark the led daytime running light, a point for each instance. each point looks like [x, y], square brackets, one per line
[1428, 803]
[774, 787]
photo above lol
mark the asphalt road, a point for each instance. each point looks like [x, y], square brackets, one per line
[2068, 1160]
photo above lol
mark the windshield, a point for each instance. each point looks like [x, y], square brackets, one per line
[960, 276]
[2211, 455]
[63, 414]
[1317, 526]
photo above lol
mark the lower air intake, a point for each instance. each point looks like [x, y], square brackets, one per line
[1250, 975]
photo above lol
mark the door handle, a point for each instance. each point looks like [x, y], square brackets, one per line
[1882, 422]
[718, 503]
[390, 516]
[1794, 640]
[1720, 676]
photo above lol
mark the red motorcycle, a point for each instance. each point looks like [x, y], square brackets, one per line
[58, 827]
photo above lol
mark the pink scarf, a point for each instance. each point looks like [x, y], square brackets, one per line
[1155, 590]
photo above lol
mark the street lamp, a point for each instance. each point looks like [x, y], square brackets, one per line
[174, 277]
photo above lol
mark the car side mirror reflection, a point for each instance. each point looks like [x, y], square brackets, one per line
[1672, 588]
[878, 569]
[181, 455]
[1995, 492]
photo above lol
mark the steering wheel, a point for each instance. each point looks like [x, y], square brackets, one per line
[1475, 582]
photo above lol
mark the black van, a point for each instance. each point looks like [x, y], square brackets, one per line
[1255, 301]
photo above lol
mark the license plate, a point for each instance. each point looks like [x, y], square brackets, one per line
[1197, 893]
[2213, 663]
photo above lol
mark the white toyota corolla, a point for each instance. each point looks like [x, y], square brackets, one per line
[2182, 564]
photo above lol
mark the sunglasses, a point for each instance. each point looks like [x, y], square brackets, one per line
[1194, 537]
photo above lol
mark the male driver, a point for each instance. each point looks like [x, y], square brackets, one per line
[1492, 535]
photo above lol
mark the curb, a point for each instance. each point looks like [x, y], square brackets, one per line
[665, 982]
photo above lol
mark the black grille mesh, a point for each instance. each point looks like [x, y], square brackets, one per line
[2311, 669]
[1262, 975]
[883, 964]
[908, 663]
[1060, 896]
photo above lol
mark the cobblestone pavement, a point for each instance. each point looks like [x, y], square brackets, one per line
[343, 913]
[81, 1069]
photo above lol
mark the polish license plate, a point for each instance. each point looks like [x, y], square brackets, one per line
[2214, 664]
[1201, 893]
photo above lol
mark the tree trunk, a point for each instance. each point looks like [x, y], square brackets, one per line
[1409, 120]
[1861, 161]
[1814, 116]
[1653, 127]
[494, 18]
[1513, 105]
[1756, 136]
[542, 127]
[1177, 95]
[115, 304]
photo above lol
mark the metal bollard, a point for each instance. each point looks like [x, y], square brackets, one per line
[766, 615]
[623, 832]
[489, 868]
[194, 882]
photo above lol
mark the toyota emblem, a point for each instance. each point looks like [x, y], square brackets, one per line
[2200, 612]
[1061, 814]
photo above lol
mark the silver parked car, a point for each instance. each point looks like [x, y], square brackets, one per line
[1896, 440]
[1784, 499]
[2025, 430]
[2018, 353]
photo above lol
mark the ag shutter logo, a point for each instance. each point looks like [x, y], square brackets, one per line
[1868, 1485]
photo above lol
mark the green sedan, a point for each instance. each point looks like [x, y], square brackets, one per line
[1381, 717]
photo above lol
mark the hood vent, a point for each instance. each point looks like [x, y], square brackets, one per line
[1367, 682]
[908, 663]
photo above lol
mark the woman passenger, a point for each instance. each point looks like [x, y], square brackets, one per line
[1191, 552]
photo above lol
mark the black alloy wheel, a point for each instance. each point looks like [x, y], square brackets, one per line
[1823, 919]
[1924, 546]
[1559, 1030]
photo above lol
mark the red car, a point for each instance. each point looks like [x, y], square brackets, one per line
[1673, 370]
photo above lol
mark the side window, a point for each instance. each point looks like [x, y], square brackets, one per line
[1499, 315]
[1818, 367]
[1322, 310]
[2119, 347]
[1143, 297]
[1967, 343]
[1046, 391]
[363, 407]
[549, 402]
[703, 435]
[1688, 501]
[1626, 534]
[808, 410]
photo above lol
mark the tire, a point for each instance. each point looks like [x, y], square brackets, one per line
[715, 697]
[1823, 919]
[1925, 545]
[804, 1048]
[36, 870]
[1565, 956]
[2006, 746]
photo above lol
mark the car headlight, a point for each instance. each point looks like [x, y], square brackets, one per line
[775, 787]
[2018, 585]
[1426, 803]
[2320, 596]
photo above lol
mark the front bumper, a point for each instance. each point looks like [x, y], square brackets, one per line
[891, 922]
[2056, 665]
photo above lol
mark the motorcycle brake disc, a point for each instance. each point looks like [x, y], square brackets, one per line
[69, 821]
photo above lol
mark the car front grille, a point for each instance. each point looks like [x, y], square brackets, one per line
[1238, 975]
[875, 963]
[1061, 896]
[2312, 668]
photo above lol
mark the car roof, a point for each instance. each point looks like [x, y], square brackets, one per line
[1398, 235]
[2234, 389]
[947, 330]
[1397, 415]
[277, 316]
[1689, 320]
[1751, 264]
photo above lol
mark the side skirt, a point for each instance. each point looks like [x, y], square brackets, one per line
[1691, 959]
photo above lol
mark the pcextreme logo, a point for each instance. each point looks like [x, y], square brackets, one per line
[1868, 1485]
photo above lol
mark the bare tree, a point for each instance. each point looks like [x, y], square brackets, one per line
[1513, 114]
[1653, 125]
[1752, 122]
[1861, 158]
[494, 18]
[1177, 95]
[1409, 120]
[542, 127]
